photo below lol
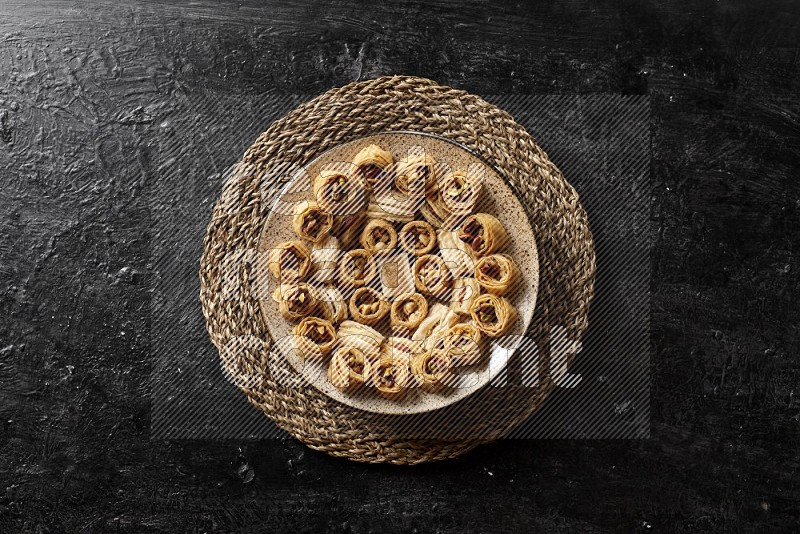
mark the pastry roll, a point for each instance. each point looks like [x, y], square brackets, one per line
[295, 301]
[454, 199]
[367, 306]
[347, 227]
[497, 273]
[289, 261]
[332, 305]
[455, 254]
[408, 311]
[324, 258]
[393, 206]
[415, 176]
[417, 238]
[339, 189]
[432, 369]
[464, 344]
[350, 368]
[314, 337]
[395, 346]
[356, 268]
[396, 275]
[431, 276]
[433, 328]
[362, 336]
[390, 375]
[483, 233]
[310, 221]
[377, 235]
[465, 290]
[375, 164]
[493, 315]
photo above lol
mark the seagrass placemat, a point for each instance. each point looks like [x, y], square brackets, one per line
[398, 103]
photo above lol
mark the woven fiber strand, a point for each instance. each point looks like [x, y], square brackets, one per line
[396, 103]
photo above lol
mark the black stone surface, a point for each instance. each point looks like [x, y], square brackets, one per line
[86, 86]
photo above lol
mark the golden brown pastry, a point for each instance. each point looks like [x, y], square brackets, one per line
[393, 206]
[310, 221]
[408, 311]
[367, 306]
[332, 305]
[455, 254]
[375, 164]
[431, 276]
[295, 300]
[483, 233]
[314, 337]
[465, 290]
[324, 258]
[347, 227]
[378, 235]
[339, 189]
[493, 315]
[356, 268]
[417, 238]
[350, 368]
[415, 176]
[433, 328]
[497, 273]
[396, 274]
[362, 336]
[396, 346]
[390, 375]
[290, 261]
[432, 369]
[464, 344]
[454, 199]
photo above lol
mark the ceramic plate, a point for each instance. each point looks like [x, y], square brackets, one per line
[498, 198]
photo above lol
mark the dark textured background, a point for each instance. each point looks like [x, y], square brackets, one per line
[86, 86]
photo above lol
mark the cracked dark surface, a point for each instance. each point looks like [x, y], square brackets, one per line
[87, 90]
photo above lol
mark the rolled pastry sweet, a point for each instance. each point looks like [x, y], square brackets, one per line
[417, 238]
[432, 369]
[339, 189]
[396, 274]
[314, 337]
[375, 164]
[408, 311]
[455, 254]
[493, 315]
[378, 235]
[396, 346]
[431, 276]
[356, 268]
[465, 290]
[362, 336]
[324, 260]
[289, 261]
[433, 328]
[483, 233]
[310, 222]
[390, 375]
[347, 227]
[367, 306]
[497, 273]
[295, 300]
[393, 206]
[332, 305]
[464, 344]
[350, 368]
[415, 176]
[454, 199]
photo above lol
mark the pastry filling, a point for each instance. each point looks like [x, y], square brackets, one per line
[491, 268]
[487, 314]
[409, 311]
[436, 365]
[336, 189]
[381, 238]
[298, 299]
[387, 377]
[430, 273]
[355, 362]
[368, 302]
[459, 191]
[290, 261]
[357, 266]
[472, 235]
[319, 334]
[371, 172]
[314, 223]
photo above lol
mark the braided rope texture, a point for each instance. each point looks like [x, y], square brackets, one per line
[393, 103]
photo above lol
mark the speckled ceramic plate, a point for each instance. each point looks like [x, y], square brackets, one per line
[498, 198]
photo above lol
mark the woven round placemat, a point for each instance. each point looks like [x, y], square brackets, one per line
[229, 270]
